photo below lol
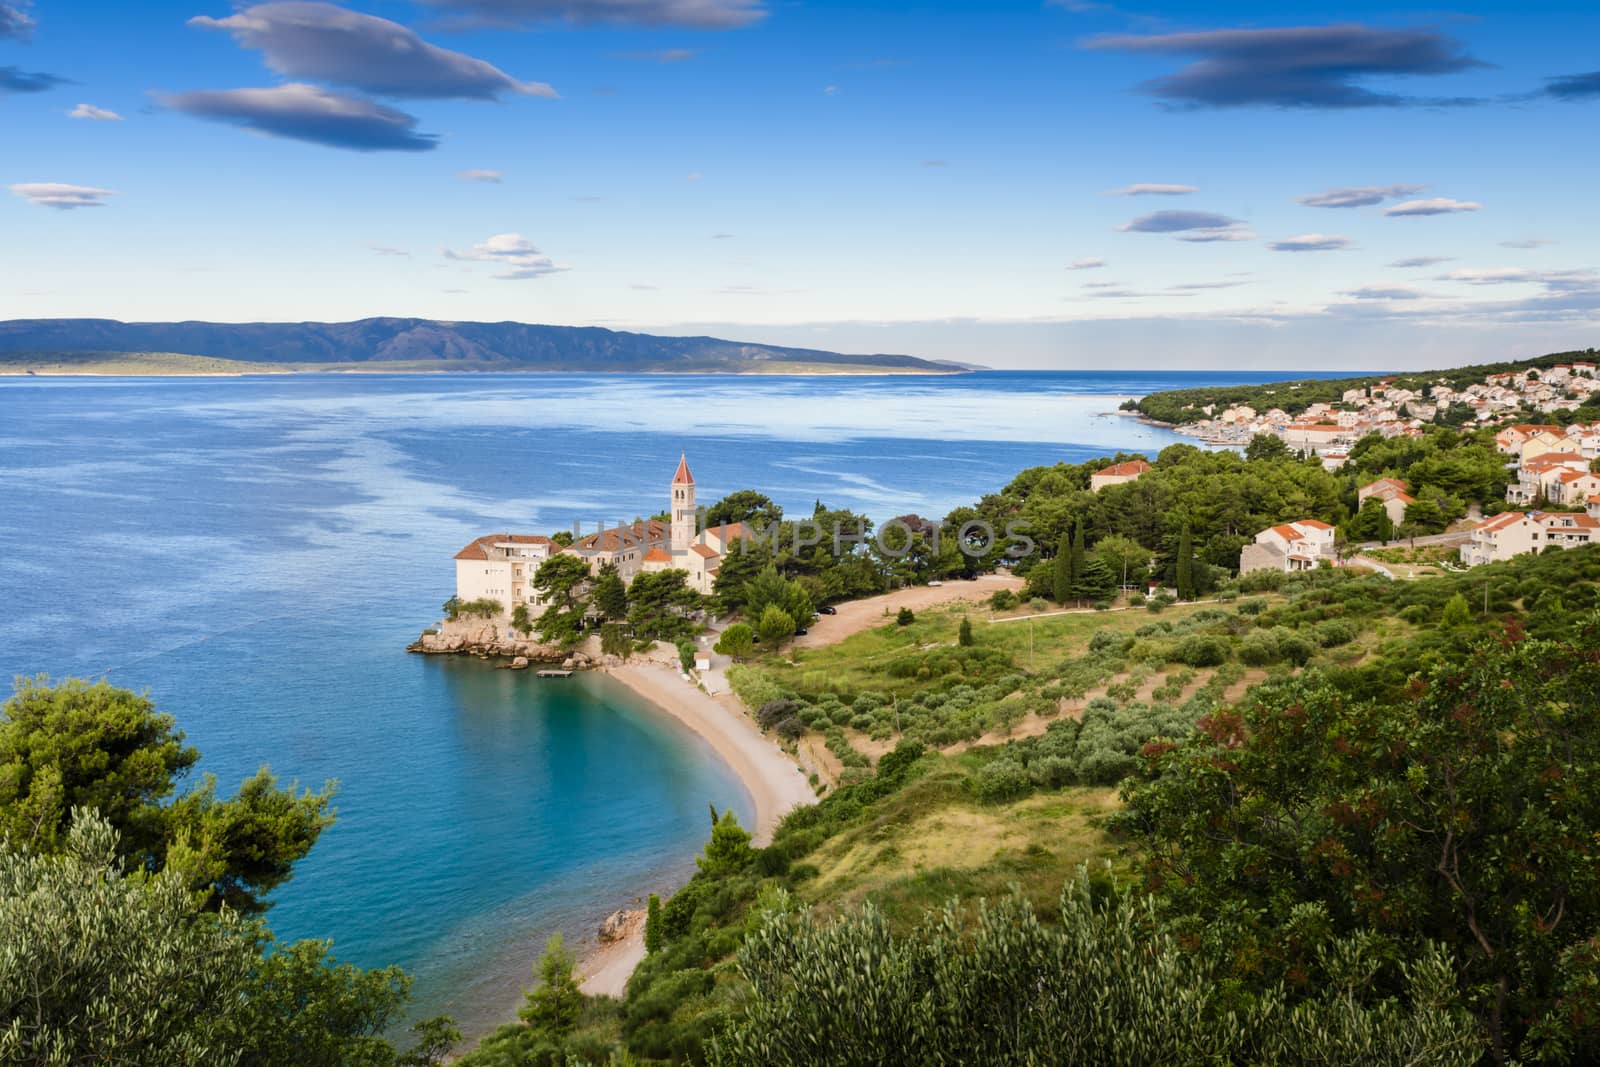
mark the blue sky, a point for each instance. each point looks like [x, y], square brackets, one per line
[1058, 184]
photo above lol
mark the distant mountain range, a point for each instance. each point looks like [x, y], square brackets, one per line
[430, 344]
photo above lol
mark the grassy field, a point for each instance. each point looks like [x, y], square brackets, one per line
[932, 842]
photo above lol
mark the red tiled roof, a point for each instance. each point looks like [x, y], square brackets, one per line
[704, 551]
[1288, 533]
[479, 549]
[1396, 482]
[1122, 470]
[614, 538]
[1315, 524]
[656, 555]
[683, 477]
[1500, 522]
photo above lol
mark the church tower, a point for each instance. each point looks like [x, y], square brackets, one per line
[683, 510]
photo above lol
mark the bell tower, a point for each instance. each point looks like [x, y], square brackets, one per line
[683, 510]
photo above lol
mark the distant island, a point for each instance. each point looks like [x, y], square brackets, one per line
[400, 345]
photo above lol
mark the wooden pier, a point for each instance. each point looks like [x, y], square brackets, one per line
[555, 674]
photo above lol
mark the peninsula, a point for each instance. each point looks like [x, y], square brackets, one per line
[406, 346]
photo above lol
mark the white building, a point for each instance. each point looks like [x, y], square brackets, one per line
[1291, 546]
[1117, 474]
[1506, 535]
[501, 567]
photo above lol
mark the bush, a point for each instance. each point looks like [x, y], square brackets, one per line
[906, 617]
[1001, 780]
[1003, 600]
[1038, 604]
[1259, 648]
[1107, 640]
[1333, 633]
[1296, 649]
[1199, 650]
[1253, 606]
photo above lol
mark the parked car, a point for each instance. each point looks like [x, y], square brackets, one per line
[828, 609]
[801, 632]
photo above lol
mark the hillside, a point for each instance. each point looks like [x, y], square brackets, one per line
[1181, 406]
[402, 344]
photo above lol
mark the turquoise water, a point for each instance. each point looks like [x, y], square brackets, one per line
[257, 552]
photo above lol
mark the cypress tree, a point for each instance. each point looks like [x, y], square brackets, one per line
[654, 936]
[1061, 588]
[1077, 555]
[1185, 565]
[964, 634]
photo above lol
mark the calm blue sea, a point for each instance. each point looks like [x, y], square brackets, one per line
[256, 552]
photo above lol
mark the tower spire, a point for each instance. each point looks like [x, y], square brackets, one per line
[683, 477]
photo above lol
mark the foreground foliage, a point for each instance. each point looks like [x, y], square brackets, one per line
[1465, 814]
[1104, 986]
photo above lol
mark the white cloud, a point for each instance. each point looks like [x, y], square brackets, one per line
[58, 195]
[1359, 195]
[493, 177]
[1153, 189]
[513, 252]
[1311, 242]
[1086, 264]
[1439, 205]
[1527, 243]
[98, 114]
[326, 43]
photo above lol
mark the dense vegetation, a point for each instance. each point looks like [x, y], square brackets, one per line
[1180, 406]
[1274, 891]
[127, 915]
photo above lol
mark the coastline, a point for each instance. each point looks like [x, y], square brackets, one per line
[775, 783]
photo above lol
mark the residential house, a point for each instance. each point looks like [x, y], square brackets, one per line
[1117, 474]
[1536, 478]
[1290, 546]
[1508, 534]
[1392, 491]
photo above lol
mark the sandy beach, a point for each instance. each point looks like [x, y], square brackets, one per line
[774, 783]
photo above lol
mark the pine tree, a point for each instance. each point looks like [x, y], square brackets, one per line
[1061, 589]
[654, 937]
[964, 634]
[1185, 565]
[610, 594]
[555, 1006]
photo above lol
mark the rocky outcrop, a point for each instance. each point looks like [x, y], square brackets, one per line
[485, 637]
[620, 925]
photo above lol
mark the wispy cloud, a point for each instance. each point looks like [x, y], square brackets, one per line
[1086, 264]
[17, 80]
[1152, 189]
[1421, 261]
[1318, 67]
[1311, 242]
[696, 14]
[308, 113]
[96, 114]
[1574, 86]
[1359, 195]
[1178, 222]
[15, 23]
[1384, 292]
[305, 39]
[1439, 205]
[61, 196]
[660, 55]
[385, 250]
[491, 177]
[513, 252]
[1187, 287]
[1527, 243]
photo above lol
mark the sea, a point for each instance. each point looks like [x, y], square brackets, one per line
[256, 552]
